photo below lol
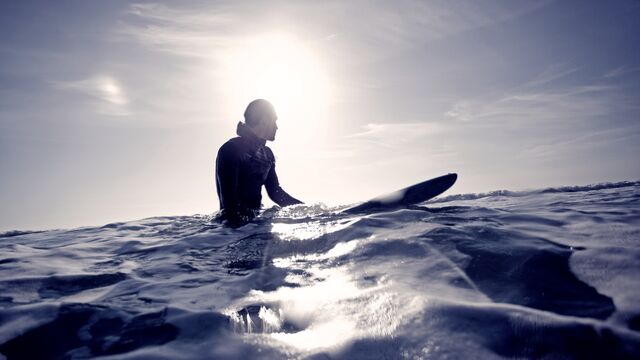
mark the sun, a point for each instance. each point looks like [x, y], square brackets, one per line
[283, 70]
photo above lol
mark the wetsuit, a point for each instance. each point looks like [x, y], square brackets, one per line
[243, 165]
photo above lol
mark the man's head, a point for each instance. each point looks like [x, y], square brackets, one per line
[261, 118]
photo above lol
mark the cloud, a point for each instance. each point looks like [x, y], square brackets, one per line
[109, 95]
[189, 33]
[619, 71]
[554, 115]
[197, 32]
[396, 135]
[409, 22]
[204, 31]
[548, 97]
[552, 74]
[390, 145]
[584, 143]
[535, 107]
[207, 37]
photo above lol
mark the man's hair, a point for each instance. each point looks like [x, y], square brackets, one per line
[256, 110]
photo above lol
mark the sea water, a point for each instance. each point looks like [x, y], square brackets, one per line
[552, 273]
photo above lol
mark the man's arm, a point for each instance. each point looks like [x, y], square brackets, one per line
[275, 192]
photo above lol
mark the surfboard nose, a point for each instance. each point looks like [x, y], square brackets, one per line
[454, 177]
[408, 196]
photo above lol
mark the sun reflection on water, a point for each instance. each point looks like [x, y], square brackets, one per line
[340, 280]
[308, 230]
[329, 306]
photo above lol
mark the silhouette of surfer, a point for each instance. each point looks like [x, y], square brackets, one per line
[244, 164]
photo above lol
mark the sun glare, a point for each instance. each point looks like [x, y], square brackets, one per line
[286, 72]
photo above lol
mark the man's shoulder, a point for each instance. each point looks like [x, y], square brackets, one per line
[269, 153]
[232, 143]
[232, 146]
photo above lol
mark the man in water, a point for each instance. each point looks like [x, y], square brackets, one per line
[244, 164]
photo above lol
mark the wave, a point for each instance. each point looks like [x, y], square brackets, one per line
[12, 233]
[553, 276]
[551, 190]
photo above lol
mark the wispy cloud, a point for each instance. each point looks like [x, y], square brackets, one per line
[107, 92]
[550, 116]
[620, 71]
[185, 32]
[585, 143]
[552, 74]
[545, 98]
[535, 107]
[391, 144]
[343, 35]
[205, 30]
[395, 135]
[409, 22]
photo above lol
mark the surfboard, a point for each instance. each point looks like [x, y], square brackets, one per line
[413, 194]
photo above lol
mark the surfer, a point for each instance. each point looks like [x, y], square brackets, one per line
[244, 164]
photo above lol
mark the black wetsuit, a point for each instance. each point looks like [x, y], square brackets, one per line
[243, 165]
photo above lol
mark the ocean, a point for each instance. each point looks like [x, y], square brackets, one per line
[551, 273]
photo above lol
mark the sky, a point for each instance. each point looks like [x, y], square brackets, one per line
[114, 110]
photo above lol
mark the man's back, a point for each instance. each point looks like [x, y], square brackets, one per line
[243, 165]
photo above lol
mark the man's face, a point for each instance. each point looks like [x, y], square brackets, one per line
[267, 128]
